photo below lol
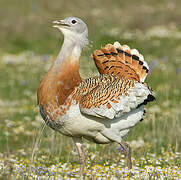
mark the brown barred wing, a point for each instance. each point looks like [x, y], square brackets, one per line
[113, 97]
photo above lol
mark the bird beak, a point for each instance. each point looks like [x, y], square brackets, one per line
[60, 23]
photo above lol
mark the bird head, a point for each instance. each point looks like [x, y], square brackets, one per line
[74, 29]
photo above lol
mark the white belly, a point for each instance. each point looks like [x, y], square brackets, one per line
[100, 130]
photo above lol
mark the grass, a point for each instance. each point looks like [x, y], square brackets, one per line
[28, 149]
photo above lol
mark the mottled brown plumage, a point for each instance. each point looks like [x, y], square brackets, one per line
[98, 91]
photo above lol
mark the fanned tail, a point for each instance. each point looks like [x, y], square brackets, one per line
[121, 61]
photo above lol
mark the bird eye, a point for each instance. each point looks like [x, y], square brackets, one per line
[74, 21]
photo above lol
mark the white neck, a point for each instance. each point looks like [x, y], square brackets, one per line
[69, 48]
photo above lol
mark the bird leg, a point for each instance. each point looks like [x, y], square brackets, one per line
[79, 145]
[125, 148]
[127, 152]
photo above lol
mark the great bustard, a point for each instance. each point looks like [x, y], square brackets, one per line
[103, 108]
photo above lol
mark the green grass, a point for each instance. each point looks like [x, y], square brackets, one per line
[29, 45]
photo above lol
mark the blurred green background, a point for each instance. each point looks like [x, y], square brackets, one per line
[28, 44]
[27, 25]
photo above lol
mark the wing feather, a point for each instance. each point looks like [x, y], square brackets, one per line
[112, 96]
[121, 61]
